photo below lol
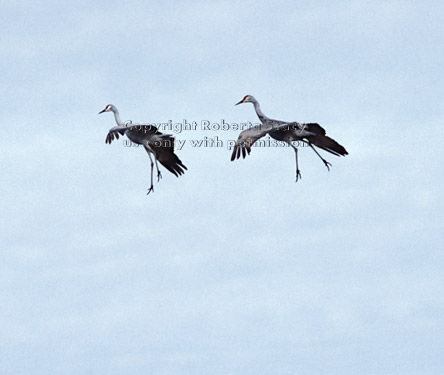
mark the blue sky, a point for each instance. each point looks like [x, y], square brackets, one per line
[232, 268]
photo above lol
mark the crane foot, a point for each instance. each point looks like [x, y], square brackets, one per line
[327, 164]
[298, 175]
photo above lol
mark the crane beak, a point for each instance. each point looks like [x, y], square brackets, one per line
[240, 102]
[102, 111]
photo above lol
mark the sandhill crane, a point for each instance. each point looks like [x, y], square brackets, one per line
[310, 133]
[154, 142]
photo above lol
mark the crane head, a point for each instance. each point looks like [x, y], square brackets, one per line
[107, 108]
[247, 99]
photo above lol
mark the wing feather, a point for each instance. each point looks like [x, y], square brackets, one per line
[114, 133]
[247, 138]
[164, 149]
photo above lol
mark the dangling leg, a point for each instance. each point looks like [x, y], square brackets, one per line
[326, 163]
[159, 175]
[298, 172]
[151, 160]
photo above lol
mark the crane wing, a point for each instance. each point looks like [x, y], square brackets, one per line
[300, 130]
[114, 133]
[144, 129]
[247, 138]
[328, 144]
[163, 147]
[139, 130]
[315, 128]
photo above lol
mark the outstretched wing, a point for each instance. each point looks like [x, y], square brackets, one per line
[298, 129]
[247, 138]
[139, 133]
[328, 144]
[114, 133]
[163, 147]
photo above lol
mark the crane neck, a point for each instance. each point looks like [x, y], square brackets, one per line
[259, 113]
[117, 117]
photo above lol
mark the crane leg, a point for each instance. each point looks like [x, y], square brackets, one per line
[159, 175]
[326, 163]
[152, 165]
[298, 172]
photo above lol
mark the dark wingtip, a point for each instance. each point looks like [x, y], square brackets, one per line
[234, 154]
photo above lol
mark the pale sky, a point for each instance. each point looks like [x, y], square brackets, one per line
[232, 268]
